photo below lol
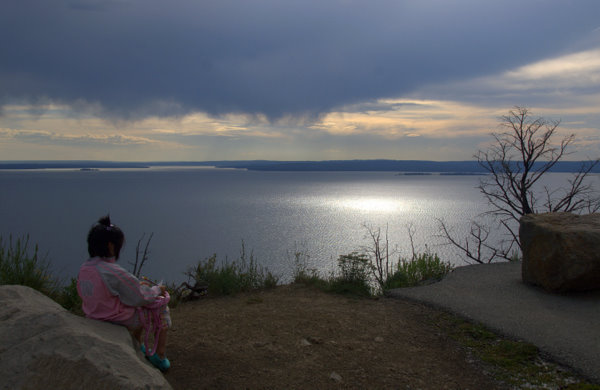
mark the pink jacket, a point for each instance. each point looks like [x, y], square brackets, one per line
[109, 292]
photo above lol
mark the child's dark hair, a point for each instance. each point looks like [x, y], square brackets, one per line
[100, 235]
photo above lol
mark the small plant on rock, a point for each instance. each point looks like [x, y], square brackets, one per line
[69, 298]
[19, 266]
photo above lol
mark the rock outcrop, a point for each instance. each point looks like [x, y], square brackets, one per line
[561, 251]
[43, 346]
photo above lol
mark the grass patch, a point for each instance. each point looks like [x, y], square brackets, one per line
[509, 354]
[21, 265]
[18, 265]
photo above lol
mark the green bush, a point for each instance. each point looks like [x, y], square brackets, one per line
[353, 277]
[354, 267]
[424, 267]
[231, 278]
[18, 266]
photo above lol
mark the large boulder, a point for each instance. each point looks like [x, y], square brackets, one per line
[561, 251]
[43, 346]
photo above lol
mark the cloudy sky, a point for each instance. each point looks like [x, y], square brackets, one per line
[290, 79]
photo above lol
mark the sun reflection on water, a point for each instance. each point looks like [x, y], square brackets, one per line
[386, 205]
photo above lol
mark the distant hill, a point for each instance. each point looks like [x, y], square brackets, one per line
[401, 166]
[70, 164]
[365, 165]
[410, 166]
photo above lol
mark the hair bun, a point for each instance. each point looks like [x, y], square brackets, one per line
[105, 221]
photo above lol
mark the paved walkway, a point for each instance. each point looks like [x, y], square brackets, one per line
[564, 326]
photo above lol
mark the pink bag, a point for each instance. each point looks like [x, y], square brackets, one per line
[150, 319]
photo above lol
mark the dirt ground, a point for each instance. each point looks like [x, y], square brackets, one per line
[295, 337]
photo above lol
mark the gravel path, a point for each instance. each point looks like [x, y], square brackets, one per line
[565, 326]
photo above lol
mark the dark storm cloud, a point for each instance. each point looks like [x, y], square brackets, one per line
[155, 57]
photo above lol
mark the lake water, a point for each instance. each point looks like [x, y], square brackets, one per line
[194, 213]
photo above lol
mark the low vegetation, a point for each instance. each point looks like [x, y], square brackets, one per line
[423, 268]
[353, 276]
[21, 265]
[69, 298]
[356, 274]
[18, 265]
[227, 278]
[372, 271]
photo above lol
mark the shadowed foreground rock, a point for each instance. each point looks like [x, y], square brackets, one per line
[42, 346]
[561, 251]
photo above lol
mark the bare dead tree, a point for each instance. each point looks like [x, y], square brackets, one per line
[578, 197]
[515, 163]
[475, 245]
[411, 230]
[187, 292]
[519, 158]
[141, 257]
[379, 254]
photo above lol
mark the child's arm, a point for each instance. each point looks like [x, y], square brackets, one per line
[126, 286]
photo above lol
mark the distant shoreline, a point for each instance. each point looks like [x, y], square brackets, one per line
[404, 167]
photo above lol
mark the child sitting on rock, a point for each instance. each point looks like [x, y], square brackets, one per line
[110, 293]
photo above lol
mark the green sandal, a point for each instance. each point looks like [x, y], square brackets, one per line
[161, 364]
